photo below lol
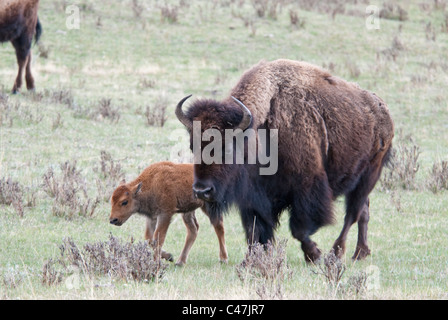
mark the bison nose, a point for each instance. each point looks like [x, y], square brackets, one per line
[113, 221]
[204, 194]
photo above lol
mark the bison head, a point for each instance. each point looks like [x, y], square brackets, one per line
[124, 203]
[213, 179]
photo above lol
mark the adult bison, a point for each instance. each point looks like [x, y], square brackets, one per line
[333, 139]
[18, 24]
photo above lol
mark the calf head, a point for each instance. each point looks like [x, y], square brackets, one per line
[124, 203]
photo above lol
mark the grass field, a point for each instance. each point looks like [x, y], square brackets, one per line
[103, 85]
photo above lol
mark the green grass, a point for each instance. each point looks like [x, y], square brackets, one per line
[205, 53]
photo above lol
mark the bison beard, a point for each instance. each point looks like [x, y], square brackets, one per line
[333, 139]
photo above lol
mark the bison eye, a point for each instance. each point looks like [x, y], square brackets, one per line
[125, 202]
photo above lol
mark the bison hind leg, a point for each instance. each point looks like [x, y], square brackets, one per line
[310, 210]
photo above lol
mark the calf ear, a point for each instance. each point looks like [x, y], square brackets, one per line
[138, 188]
[122, 182]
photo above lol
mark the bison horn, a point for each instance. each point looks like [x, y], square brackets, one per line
[181, 115]
[247, 116]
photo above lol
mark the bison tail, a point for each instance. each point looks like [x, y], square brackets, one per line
[38, 31]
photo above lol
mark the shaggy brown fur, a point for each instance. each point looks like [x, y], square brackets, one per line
[159, 192]
[18, 24]
[334, 139]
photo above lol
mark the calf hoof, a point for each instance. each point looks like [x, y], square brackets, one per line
[179, 264]
[223, 261]
[167, 256]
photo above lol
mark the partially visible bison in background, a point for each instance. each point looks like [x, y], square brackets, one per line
[333, 139]
[18, 24]
[160, 191]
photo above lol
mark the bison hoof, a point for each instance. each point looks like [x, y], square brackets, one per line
[339, 251]
[361, 253]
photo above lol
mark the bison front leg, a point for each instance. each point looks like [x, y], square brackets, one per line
[259, 228]
[192, 225]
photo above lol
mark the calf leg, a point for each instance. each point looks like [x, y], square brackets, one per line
[150, 228]
[218, 225]
[192, 225]
[163, 222]
[219, 230]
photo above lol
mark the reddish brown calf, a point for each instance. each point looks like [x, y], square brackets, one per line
[159, 192]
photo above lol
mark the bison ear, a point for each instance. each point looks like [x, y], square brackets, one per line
[138, 189]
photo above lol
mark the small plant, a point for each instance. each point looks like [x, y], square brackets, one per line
[265, 266]
[11, 193]
[269, 8]
[12, 277]
[156, 115]
[169, 13]
[57, 122]
[137, 9]
[61, 96]
[50, 276]
[113, 258]
[105, 110]
[69, 191]
[403, 167]
[332, 269]
[295, 20]
[393, 11]
[439, 177]
[110, 175]
[356, 285]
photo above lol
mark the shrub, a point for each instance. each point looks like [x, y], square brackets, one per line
[403, 167]
[110, 175]
[266, 267]
[113, 258]
[156, 115]
[11, 193]
[69, 191]
[438, 179]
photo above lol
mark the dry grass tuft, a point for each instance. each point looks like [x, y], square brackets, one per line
[69, 191]
[266, 267]
[110, 175]
[13, 193]
[113, 258]
[438, 179]
[403, 167]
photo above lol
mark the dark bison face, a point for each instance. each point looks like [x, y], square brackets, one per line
[211, 125]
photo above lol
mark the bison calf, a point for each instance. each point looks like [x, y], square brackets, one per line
[159, 192]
